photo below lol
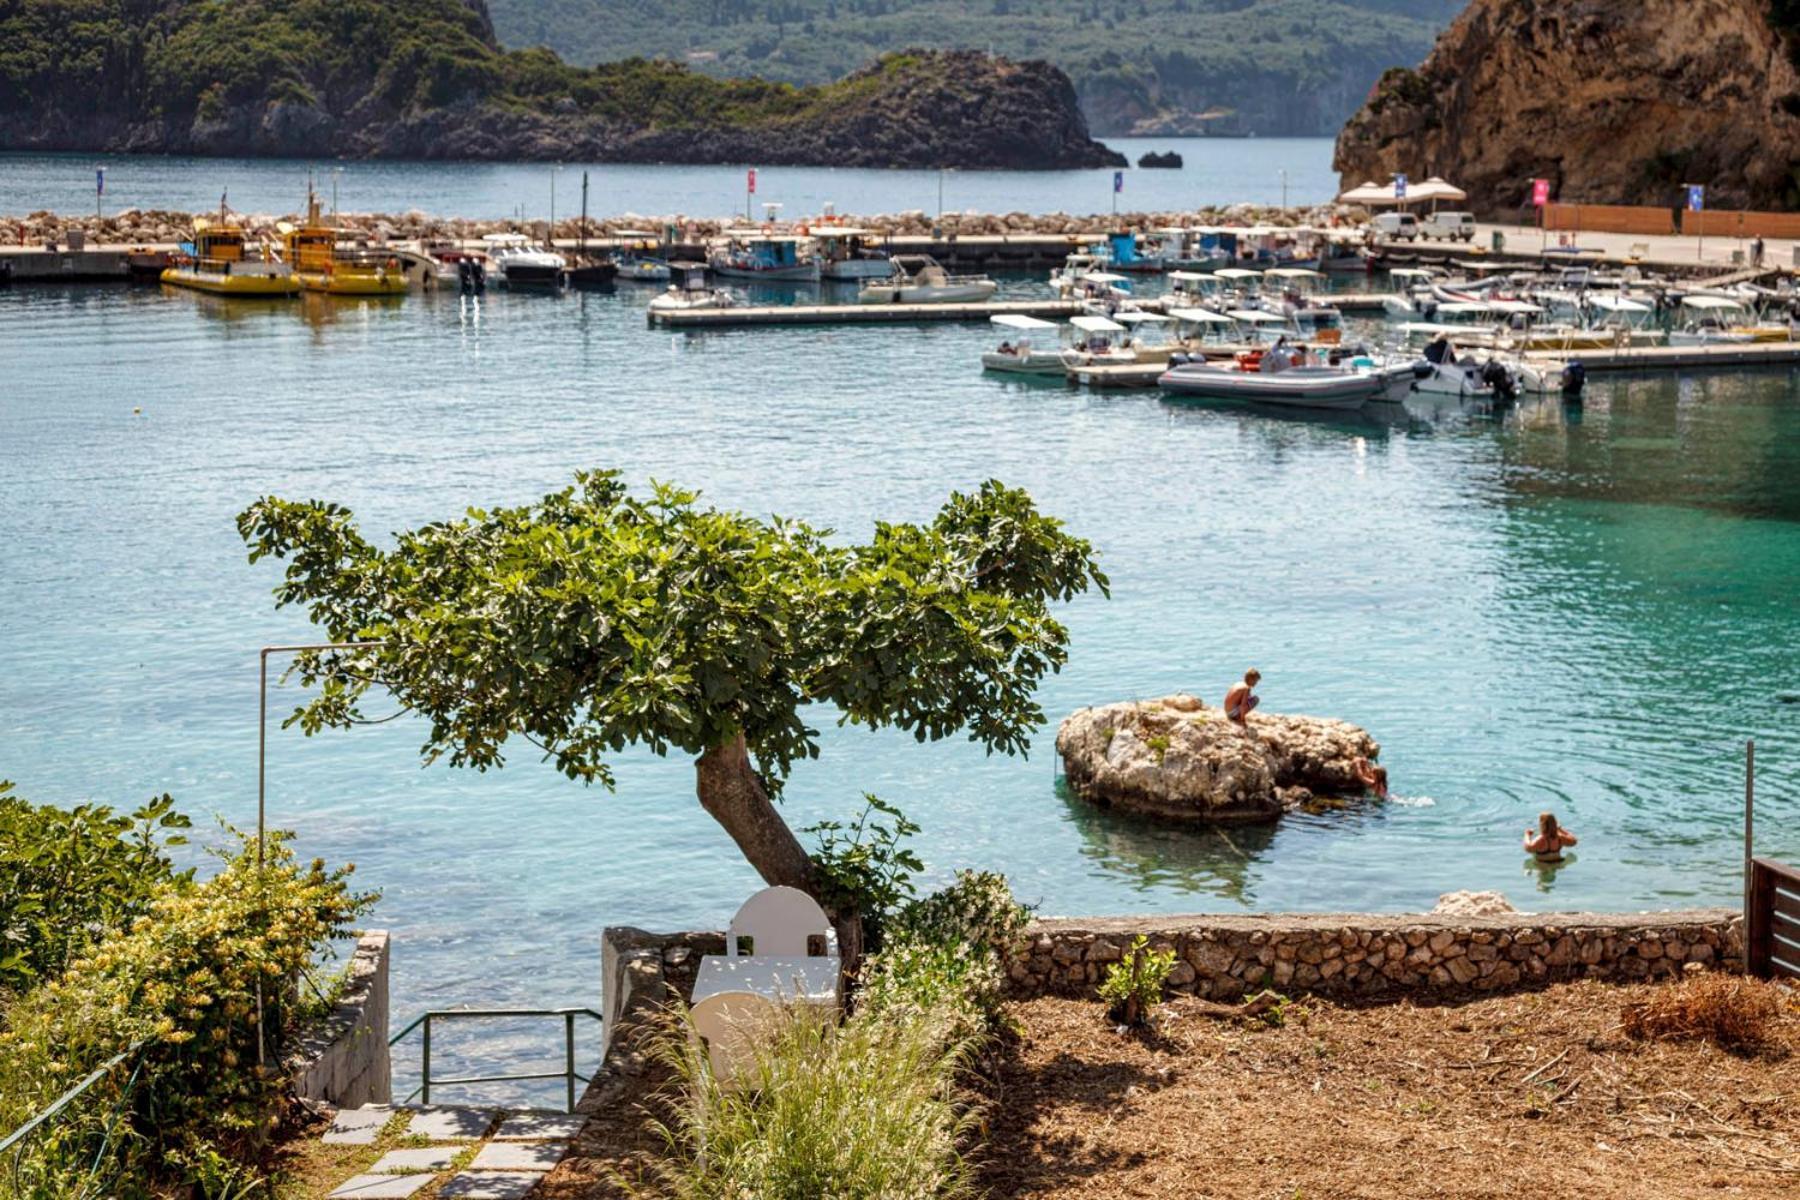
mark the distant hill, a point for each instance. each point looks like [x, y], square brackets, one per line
[427, 79]
[1271, 67]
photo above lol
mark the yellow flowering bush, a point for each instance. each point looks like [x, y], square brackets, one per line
[210, 980]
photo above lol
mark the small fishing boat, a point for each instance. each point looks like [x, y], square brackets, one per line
[1323, 387]
[222, 262]
[1016, 355]
[637, 258]
[522, 265]
[850, 255]
[918, 279]
[766, 257]
[589, 270]
[690, 291]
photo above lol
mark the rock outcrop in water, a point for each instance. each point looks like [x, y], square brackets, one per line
[1614, 101]
[1178, 759]
[426, 79]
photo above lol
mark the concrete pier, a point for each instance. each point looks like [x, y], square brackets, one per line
[857, 314]
[90, 264]
[1649, 359]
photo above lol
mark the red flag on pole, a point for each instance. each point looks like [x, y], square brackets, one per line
[752, 182]
[1540, 192]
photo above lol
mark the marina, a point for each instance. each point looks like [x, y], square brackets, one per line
[858, 314]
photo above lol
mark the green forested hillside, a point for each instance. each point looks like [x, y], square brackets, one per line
[1229, 66]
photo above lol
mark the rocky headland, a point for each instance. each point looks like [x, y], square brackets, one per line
[1613, 101]
[426, 79]
[1179, 759]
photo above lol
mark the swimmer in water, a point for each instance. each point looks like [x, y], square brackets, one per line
[1548, 839]
[1242, 697]
[1371, 776]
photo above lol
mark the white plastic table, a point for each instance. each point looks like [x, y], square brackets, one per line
[804, 980]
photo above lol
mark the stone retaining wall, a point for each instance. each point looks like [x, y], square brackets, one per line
[1354, 955]
[344, 1059]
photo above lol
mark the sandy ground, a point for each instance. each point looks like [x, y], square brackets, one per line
[1535, 1095]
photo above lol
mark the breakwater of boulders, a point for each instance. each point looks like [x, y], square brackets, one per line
[152, 226]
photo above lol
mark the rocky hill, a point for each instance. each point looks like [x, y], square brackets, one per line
[1288, 67]
[1614, 101]
[428, 79]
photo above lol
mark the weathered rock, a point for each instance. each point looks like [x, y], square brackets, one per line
[1179, 759]
[1614, 101]
[1473, 904]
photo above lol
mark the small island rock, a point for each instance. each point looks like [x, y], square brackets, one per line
[1179, 759]
[1153, 159]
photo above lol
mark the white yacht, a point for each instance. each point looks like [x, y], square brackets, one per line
[520, 264]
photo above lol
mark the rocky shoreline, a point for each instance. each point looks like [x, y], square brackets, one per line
[133, 226]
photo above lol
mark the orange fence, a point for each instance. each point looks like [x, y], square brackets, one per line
[1734, 223]
[1609, 218]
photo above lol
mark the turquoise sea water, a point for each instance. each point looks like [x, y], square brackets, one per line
[1587, 609]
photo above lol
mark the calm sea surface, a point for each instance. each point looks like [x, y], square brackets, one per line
[1587, 609]
[1213, 171]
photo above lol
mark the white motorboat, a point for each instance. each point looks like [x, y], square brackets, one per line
[1016, 355]
[1098, 342]
[1085, 277]
[1343, 387]
[520, 264]
[918, 279]
[690, 292]
[1132, 338]
[1713, 321]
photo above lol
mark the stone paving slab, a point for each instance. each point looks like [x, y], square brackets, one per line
[519, 1156]
[539, 1127]
[381, 1187]
[415, 1158]
[451, 1124]
[490, 1185]
[357, 1126]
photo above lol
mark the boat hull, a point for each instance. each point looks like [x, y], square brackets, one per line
[802, 273]
[856, 270]
[955, 293]
[1297, 387]
[380, 283]
[531, 275]
[269, 286]
[1044, 363]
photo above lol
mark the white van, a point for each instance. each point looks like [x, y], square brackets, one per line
[1452, 226]
[1397, 226]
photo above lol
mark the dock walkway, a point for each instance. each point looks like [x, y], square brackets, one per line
[1675, 358]
[857, 314]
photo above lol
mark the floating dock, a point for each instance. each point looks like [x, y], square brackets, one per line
[857, 314]
[1131, 375]
[1646, 359]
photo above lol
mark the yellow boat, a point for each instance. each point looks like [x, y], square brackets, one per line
[322, 267]
[222, 264]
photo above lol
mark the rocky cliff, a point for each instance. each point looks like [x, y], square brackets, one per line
[1614, 101]
[427, 79]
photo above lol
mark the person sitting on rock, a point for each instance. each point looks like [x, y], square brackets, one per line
[1548, 840]
[1372, 776]
[1242, 697]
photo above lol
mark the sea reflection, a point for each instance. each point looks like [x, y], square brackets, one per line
[1149, 855]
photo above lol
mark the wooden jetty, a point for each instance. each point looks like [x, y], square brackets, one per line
[857, 314]
[1647, 359]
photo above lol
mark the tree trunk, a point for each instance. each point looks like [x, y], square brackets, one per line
[733, 793]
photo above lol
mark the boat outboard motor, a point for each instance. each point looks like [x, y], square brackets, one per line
[1500, 381]
[1574, 378]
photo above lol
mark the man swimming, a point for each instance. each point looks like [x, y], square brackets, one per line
[1242, 697]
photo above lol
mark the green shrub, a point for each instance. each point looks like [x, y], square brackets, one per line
[1133, 986]
[209, 979]
[73, 875]
[864, 867]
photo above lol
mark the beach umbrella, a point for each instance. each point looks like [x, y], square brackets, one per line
[1372, 195]
[1436, 189]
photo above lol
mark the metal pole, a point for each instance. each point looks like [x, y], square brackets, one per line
[1284, 193]
[425, 1064]
[262, 757]
[1749, 818]
[550, 230]
[569, 1055]
[940, 193]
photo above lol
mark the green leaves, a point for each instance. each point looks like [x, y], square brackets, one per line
[594, 620]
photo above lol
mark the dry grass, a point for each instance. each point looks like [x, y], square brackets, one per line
[1532, 1095]
[1733, 1011]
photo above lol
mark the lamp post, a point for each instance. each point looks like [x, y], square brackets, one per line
[335, 172]
[1284, 190]
[550, 230]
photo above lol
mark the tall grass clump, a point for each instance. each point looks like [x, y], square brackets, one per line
[869, 1108]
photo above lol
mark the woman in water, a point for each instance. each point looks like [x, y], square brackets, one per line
[1548, 840]
[1371, 776]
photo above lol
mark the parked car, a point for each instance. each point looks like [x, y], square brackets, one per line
[1451, 226]
[1399, 227]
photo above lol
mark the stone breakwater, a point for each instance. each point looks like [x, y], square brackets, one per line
[1177, 759]
[1368, 956]
[134, 227]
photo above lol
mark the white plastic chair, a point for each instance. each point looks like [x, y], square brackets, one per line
[779, 921]
[730, 1023]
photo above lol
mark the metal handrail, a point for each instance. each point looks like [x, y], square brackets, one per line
[15, 1141]
[568, 1073]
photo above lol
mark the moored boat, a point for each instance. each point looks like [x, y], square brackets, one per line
[313, 252]
[1016, 355]
[690, 291]
[848, 254]
[767, 257]
[918, 279]
[223, 263]
[1324, 387]
[523, 265]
